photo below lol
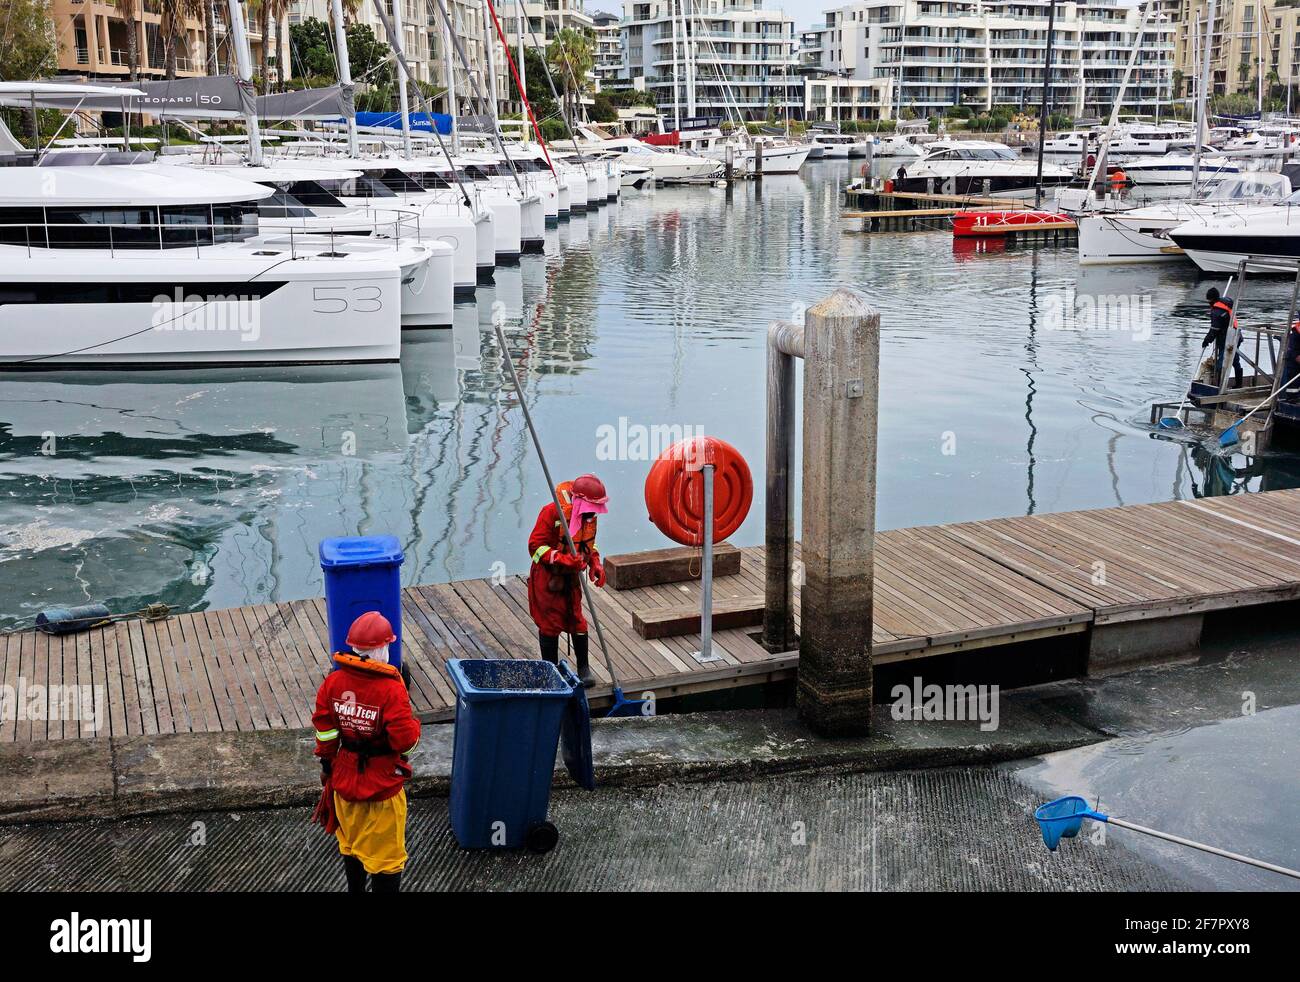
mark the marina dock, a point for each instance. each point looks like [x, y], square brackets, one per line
[1134, 582]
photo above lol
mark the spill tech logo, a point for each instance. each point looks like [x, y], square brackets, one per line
[102, 935]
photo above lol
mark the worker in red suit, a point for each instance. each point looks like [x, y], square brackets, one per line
[554, 590]
[364, 732]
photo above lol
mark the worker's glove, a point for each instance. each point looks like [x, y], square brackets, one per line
[565, 560]
[326, 767]
[596, 571]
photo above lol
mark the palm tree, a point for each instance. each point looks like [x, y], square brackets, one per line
[268, 11]
[210, 35]
[128, 10]
[570, 54]
[174, 15]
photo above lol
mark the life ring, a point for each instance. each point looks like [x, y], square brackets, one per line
[674, 490]
[889, 187]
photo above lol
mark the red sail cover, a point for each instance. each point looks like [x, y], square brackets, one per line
[672, 139]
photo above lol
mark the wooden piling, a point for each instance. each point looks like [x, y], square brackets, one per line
[841, 344]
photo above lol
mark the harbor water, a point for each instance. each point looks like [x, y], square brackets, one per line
[1012, 382]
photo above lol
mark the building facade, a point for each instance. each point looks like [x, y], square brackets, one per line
[1253, 46]
[728, 58]
[609, 48]
[94, 40]
[982, 53]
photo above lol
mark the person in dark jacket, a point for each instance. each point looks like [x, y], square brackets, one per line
[1222, 322]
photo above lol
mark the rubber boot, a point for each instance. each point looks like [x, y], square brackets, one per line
[387, 882]
[550, 647]
[580, 655]
[356, 874]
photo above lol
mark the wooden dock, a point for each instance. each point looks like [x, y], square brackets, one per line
[939, 590]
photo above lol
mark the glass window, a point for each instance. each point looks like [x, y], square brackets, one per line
[103, 228]
[22, 226]
[312, 194]
[186, 225]
[234, 222]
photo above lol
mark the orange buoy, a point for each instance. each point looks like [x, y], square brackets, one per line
[674, 490]
[889, 187]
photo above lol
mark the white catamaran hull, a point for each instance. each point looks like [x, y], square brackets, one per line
[146, 310]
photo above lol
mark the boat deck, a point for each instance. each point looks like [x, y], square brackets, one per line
[939, 589]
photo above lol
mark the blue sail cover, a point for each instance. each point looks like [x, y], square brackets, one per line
[420, 122]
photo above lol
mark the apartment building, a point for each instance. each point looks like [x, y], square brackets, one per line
[609, 47]
[726, 58]
[417, 45]
[981, 53]
[94, 39]
[1252, 45]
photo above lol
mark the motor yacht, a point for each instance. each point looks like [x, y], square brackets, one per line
[1142, 234]
[977, 168]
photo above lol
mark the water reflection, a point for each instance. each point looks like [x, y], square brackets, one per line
[213, 489]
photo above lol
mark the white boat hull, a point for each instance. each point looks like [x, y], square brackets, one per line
[209, 312]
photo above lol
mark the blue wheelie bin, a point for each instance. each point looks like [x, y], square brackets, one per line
[362, 573]
[510, 716]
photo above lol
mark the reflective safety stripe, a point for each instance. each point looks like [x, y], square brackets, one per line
[326, 735]
[412, 746]
[541, 551]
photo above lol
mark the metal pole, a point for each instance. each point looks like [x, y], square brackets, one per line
[1213, 850]
[399, 44]
[784, 345]
[451, 86]
[1202, 88]
[1047, 102]
[245, 61]
[489, 44]
[523, 74]
[345, 69]
[555, 500]
[706, 571]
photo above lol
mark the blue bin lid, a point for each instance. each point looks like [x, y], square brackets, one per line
[360, 550]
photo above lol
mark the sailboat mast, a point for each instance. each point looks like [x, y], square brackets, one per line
[245, 61]
[345, 69]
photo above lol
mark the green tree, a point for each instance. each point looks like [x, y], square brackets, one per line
[603, 109]
[129, 10]
[368, 57]
[571, 58]
[310, 49]
[28, 48]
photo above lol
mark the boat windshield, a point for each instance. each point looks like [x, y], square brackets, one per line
[363, 186]
[1250, 186]
[974, 153]
[311, 194]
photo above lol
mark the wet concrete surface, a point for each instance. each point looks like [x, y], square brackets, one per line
[1234, 784]
[945, 829]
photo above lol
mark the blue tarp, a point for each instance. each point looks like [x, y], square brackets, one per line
[420, 122]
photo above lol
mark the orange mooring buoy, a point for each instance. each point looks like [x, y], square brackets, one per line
[674, 490]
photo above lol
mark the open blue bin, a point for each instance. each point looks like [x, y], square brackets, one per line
[510, 716]
[362, 573]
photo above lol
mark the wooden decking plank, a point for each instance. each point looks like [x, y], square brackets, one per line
[246, 662]
[159, 684]
[284, 696]
[223, 649]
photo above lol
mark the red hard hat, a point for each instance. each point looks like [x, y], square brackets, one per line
[370, 630]
[589, 486]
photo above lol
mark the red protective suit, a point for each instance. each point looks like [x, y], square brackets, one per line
[364, 725]
[555, 592]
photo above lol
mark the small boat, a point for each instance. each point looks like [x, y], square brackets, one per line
[989, 224]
